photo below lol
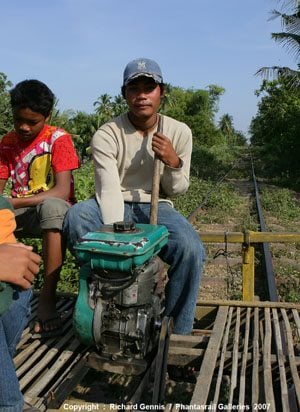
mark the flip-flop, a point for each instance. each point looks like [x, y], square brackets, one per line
[45, 332]
[182, 373]
[29, 408]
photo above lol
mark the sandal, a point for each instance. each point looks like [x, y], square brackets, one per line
[182, 373]
[29, 408]
[48, 331]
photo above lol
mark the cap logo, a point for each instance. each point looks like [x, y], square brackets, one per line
[141, 65]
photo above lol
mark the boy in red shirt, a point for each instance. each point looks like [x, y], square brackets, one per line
[39, 159]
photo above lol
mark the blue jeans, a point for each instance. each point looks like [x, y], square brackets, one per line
[12, 324]
[184, 252]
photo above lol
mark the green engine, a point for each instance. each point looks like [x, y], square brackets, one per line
[120, 304]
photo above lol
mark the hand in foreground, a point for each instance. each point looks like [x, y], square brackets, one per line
[18, 264]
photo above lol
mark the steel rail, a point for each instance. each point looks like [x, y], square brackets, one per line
[270, 275]
[269, 269]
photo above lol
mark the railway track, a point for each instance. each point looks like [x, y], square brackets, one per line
[222, 278]
[244, 354]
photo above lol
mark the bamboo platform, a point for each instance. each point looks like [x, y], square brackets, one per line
[246, 355]
[47, 366]
[253, 356]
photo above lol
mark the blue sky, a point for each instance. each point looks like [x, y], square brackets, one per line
[79, 48]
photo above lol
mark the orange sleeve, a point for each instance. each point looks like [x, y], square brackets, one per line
[7, 226]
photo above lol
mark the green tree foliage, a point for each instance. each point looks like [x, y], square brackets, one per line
[196, 108]
[276, 128]
[83, 126]
[290, 39]
[232, 136]
[5, 110]
[108, 107]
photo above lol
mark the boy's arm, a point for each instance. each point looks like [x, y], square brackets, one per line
[2, 185]
[7, 222]
[61, 190]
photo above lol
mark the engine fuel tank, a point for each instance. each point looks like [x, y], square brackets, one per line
[120, 247]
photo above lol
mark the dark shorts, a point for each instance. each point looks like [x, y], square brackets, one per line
[48, 215]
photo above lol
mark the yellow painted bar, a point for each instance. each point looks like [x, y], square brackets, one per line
[248, 273]
[246, 239]
[249, 237]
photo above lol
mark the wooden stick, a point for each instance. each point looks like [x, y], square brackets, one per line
[155, 182]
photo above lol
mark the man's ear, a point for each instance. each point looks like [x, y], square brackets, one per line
[48, 117]
[162, 90]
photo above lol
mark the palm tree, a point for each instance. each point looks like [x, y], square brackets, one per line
[233, 136]
[6, 122]
[104, 106]
[119, 105]
[289, 38]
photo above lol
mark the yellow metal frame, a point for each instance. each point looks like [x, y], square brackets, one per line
[248, 252]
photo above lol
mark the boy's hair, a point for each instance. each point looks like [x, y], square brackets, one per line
[34, 95]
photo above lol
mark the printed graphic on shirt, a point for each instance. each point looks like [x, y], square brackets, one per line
[33, 173]
[41, 176]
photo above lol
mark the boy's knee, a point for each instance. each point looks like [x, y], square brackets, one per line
[51, 213]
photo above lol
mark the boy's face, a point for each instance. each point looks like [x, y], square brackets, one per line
[28, 124]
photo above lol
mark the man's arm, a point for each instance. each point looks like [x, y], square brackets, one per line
[176, 155]
[61, 190]
[18, 264]
[107, 181]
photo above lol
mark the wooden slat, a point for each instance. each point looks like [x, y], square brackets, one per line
[291, 355]
[297, 321]
[234, 367]
[176, 356]
[189, 341]
[244, 360]
[255, 367]
[25, 353]
[222, 359]
[282, 373]
[268, 383]
[207, 368]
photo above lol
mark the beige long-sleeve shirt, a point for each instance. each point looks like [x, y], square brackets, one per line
[123, 162]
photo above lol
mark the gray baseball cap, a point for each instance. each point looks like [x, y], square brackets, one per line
[142, 67]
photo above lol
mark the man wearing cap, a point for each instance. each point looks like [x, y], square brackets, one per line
[123, 152]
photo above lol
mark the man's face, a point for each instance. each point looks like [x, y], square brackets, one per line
[143, 97]
[27, 123]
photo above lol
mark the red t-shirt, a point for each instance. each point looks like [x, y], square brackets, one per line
[32, 165]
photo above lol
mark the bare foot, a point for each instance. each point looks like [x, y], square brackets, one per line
[48, 318]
